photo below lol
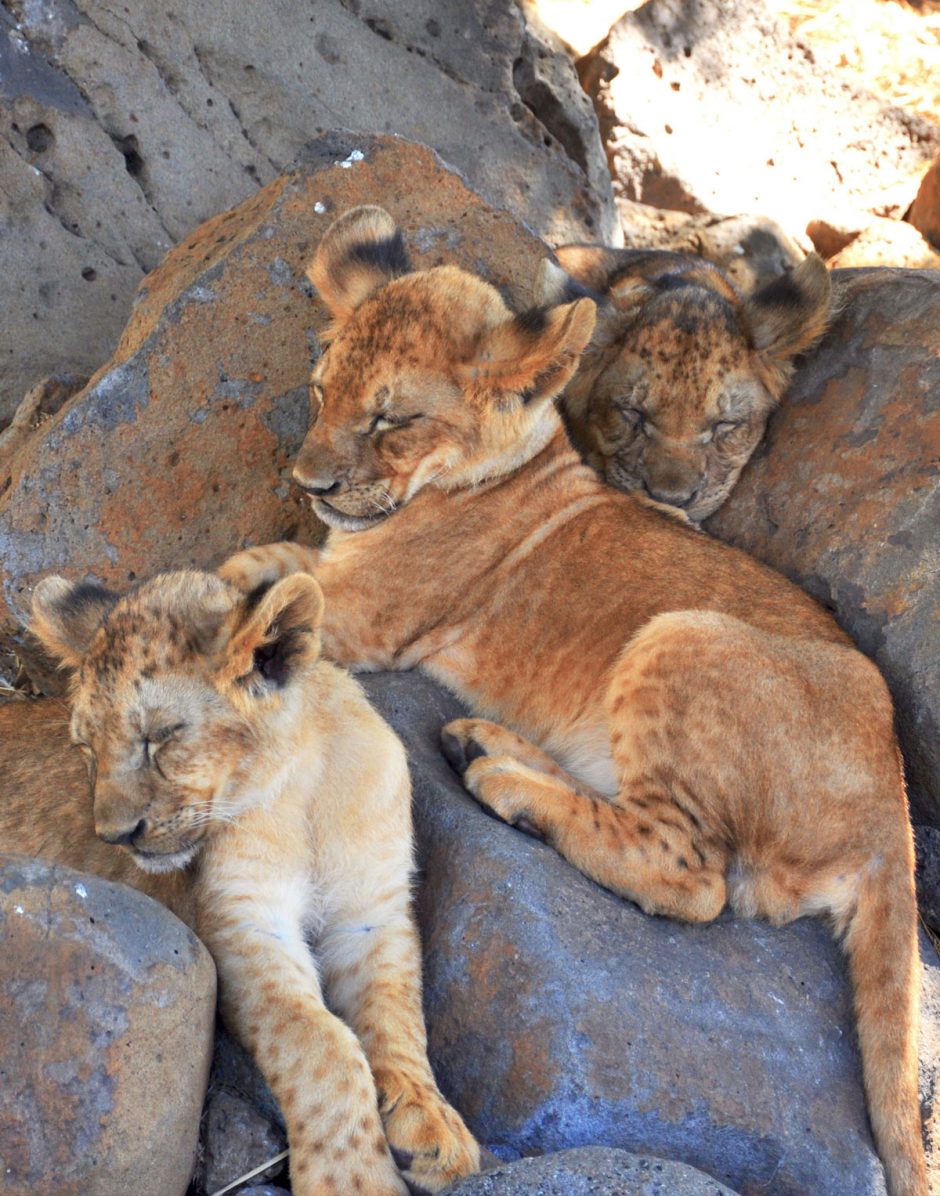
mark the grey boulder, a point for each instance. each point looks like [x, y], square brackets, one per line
[105, 1039]
[129, 126]
[562, 1016]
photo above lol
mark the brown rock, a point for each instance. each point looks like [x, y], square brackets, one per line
[706, 106]
[844, 494]
[925, 210]
[105, 1039]
[180, 449]
[887, 243]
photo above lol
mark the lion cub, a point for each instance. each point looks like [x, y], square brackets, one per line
[681, 723]
[673, 392]
[220, 742]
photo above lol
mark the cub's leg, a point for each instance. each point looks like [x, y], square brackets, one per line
[252, 922]
[639, 845]
[372, 971]
[464, 739]
[268, 563]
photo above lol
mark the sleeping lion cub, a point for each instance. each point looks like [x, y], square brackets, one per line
[688, 728]
[673, 392]
[220, 742]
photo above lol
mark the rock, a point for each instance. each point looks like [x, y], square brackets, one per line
[591, 1171]
[710, 107]
[751, 250]
[886, 242]
[928, 875]
[189, 433]
[127, 128]
[560, 1015]
[237, 1138]
[925, 210]
[264, 1190]
[843, 495]
[105, 1040]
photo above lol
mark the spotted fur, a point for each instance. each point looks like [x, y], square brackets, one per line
[673, 394]
[680, 722]
[250, 785]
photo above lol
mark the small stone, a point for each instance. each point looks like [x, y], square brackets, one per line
[236, 1139]
[925, 210]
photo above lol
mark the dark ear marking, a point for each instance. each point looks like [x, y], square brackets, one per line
[534, 320]
[781, 292]
[253, 598]
[390, 255]
[85, 599]
[274, 659]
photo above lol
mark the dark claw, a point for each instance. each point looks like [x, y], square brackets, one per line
[459, 756]
[403, 1158]
[528, 828]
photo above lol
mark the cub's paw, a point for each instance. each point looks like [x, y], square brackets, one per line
[428, 1138]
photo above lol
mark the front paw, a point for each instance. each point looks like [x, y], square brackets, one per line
[427, 1137]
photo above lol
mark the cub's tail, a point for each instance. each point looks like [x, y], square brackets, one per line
[881, 941]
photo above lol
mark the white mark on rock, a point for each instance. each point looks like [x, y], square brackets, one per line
[203, 294]
[81, 891]
[17, 909]
[347, 163]
[319, 208]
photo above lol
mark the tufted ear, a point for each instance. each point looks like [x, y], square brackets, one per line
[532, 354]
[66, 616]
[790, 314]
[275, 633]
[360, 252]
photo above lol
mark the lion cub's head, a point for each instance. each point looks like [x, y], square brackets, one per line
[429, 378]
[184, 695]
[673, 394]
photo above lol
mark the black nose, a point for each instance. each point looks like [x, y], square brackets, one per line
[671, 498]
[126, 837]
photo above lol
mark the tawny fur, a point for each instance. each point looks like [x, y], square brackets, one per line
[276, 808]
[696, 729]
[673, 393]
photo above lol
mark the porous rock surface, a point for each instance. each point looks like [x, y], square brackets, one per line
[105, 1038]
[843, 495]
[706, 106]
[129, 124]
[590, 1171]
[180, 448]
[560, 1015]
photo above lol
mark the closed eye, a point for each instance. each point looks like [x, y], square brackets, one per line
[156, 739]
[385, 421]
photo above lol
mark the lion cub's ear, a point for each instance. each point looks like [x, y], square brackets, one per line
[360, 252]
[533, 354]
[66, 616]
[790, 314]
[274, 633]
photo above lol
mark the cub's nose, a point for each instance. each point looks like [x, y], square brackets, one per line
[122, 835]
[319, 486]
[674, 497]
